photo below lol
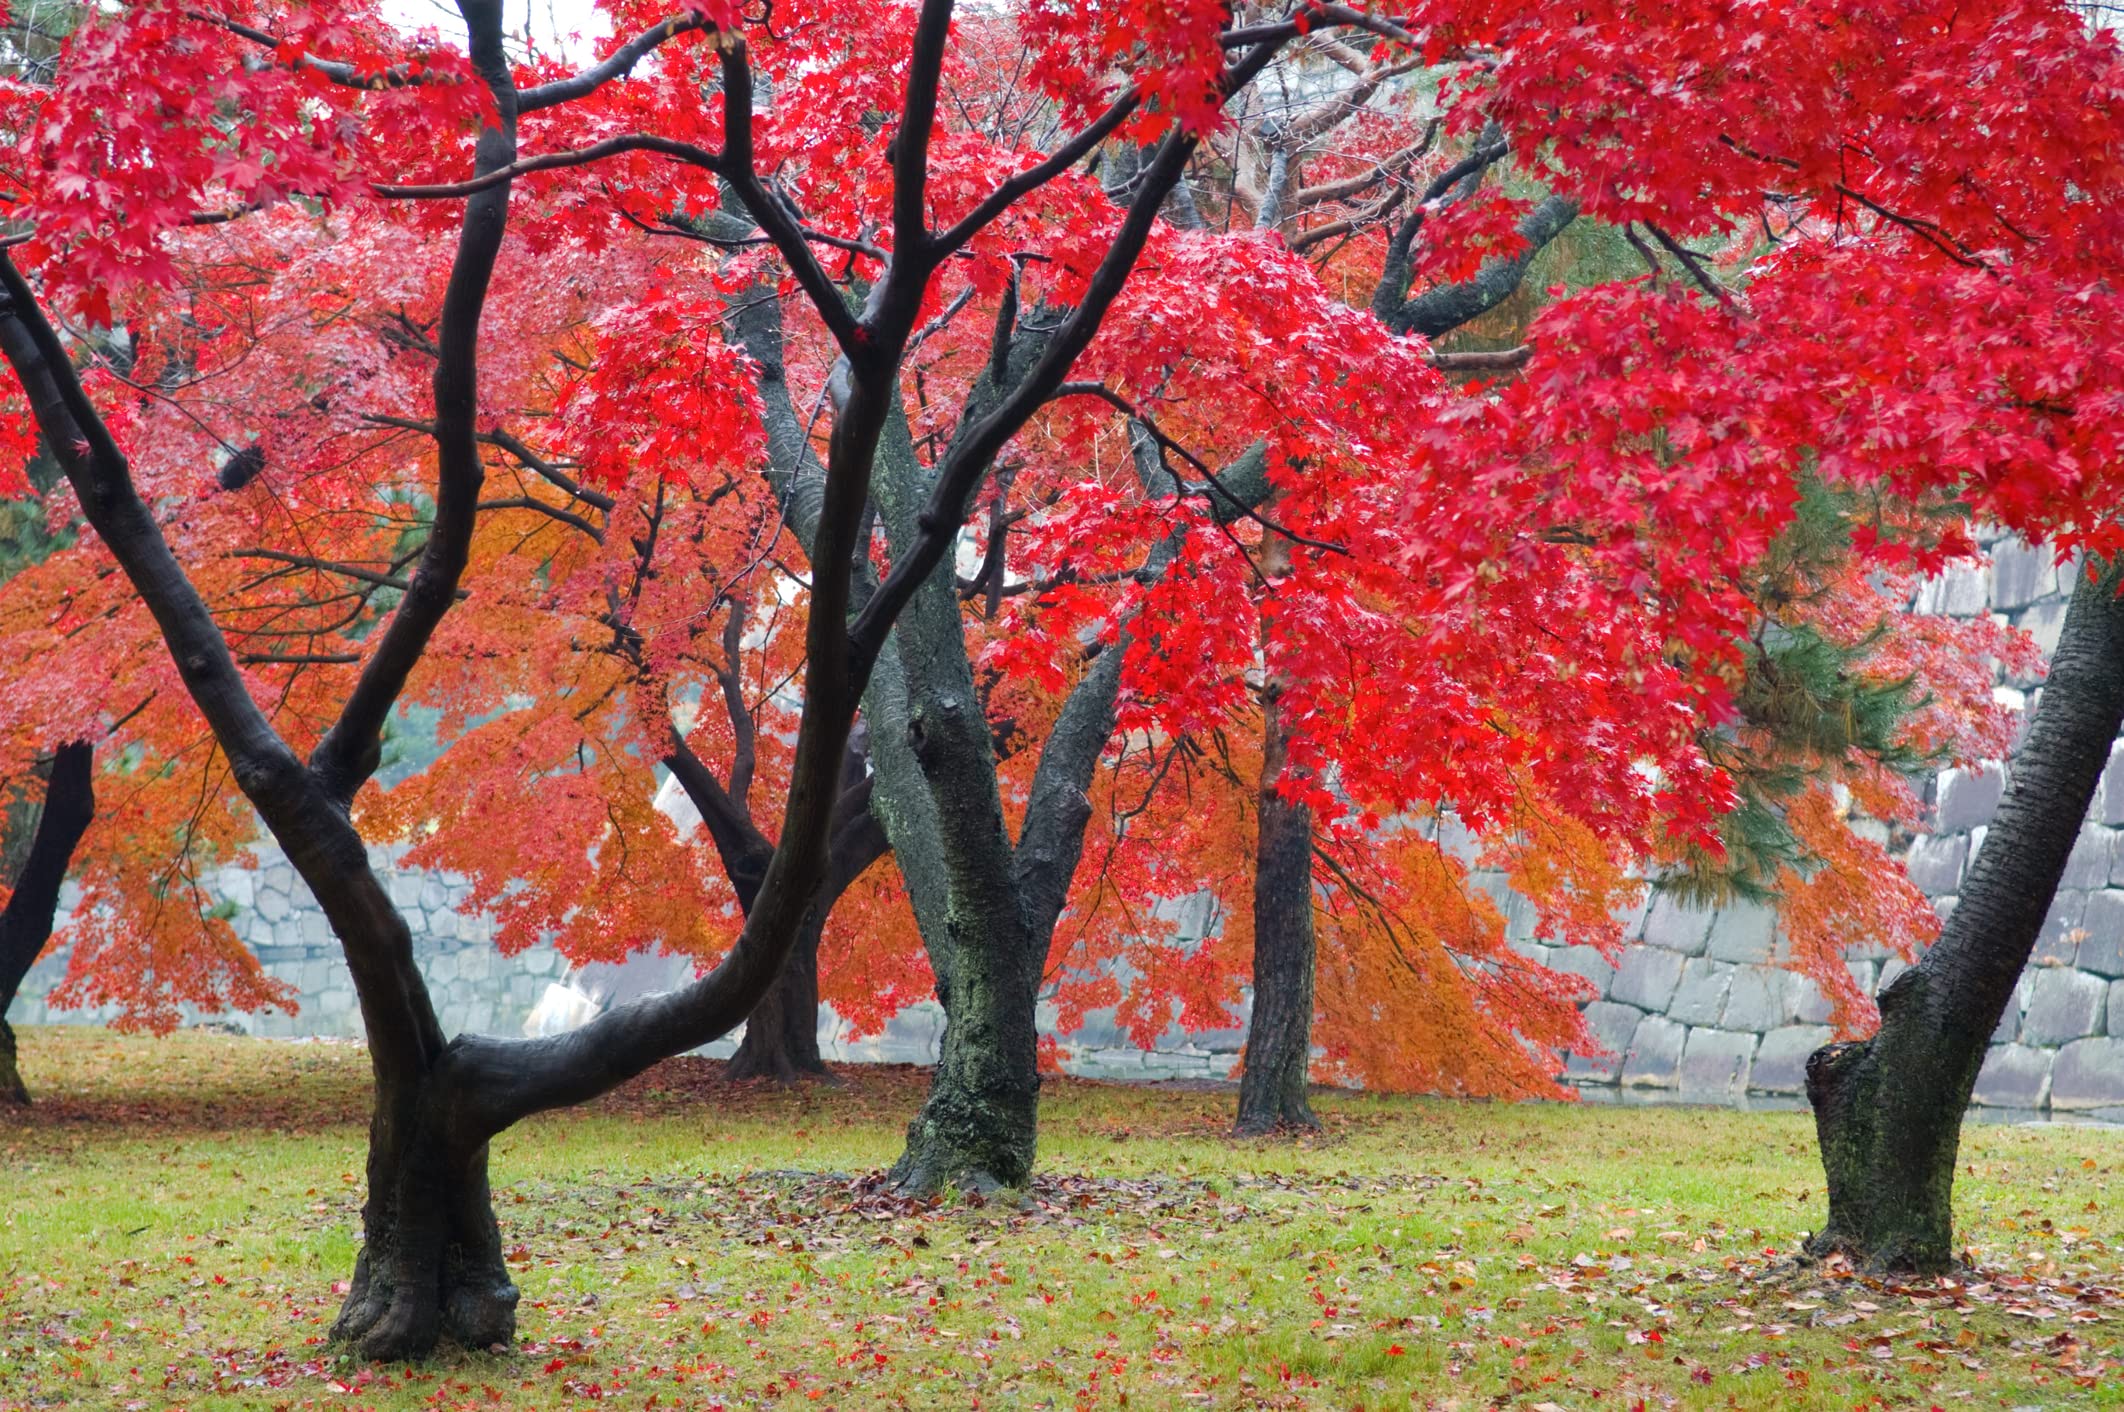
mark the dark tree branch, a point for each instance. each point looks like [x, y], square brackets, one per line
[618, 64]
[1441, 310]
[488, 178]
[335, 71]
[551, 512]
[299, 659]
[1215, 486]
[1502, 361]
[1315, 19]
[960, 472]
[771, 215]
[26, 921]
[546, 470]
[1039, 174]
[349, 752]
[328, 566]
[1693, 263]
[738, 841]
[746, 757]
[910, 145]
[497, 437]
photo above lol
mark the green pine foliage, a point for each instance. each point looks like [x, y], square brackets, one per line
[1805, 705]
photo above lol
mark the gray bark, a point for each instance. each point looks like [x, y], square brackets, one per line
[1442, 309]
[986, 905]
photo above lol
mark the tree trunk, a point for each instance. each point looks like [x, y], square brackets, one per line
[1888, 1110]
[1279, 1038]
[26, 924]
[979, 1127]
[430, 1264]
[781, 1043]
[938, 800]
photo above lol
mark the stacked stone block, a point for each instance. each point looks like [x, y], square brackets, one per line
[1700, 1007]
[475, 988]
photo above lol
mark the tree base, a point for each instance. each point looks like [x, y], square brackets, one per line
[12, 1090]
[779, 1068]
[432, 1266]
[389, 1324]
[968, 1142]
[1284, 1122]
[1889, 1169]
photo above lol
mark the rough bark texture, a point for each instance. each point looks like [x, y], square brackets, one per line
[1279, 1037]
[1440, 310]
[979, 1127]
[431, 1263]
[1888, 1110]
[941, 804]
[26, 923]
[986, 906]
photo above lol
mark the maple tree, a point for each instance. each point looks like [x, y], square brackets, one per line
[1643, 467]
[1568, 614]
[108, 186]
[1455, 1018]
[1889, 1107]
[83, 703]
[1831, 363]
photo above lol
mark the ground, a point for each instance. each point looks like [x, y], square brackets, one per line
[179, 1215]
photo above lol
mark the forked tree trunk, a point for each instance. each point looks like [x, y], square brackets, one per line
[431, 1258]
[1279, 1037]
[1888, 1110]
[430, 1264]
[26, 923]
[781, 1043]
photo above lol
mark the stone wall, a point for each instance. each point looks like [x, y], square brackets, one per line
[478, 990]
[475, 987]
[1698, 1007]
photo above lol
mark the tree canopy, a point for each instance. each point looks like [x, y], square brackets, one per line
[1053, 384]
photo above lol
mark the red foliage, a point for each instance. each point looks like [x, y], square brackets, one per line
[1517, 611]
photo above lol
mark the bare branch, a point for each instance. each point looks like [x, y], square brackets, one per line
[1039, 174]
[329, 566]
[1693, 263]
[343, 74]
[1216, 486]
[299, 659]
[737, 168]
[1503, 361]
[619, 64]
[551, 512]
[553, 161]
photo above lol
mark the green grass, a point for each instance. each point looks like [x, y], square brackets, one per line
[178, 1214]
